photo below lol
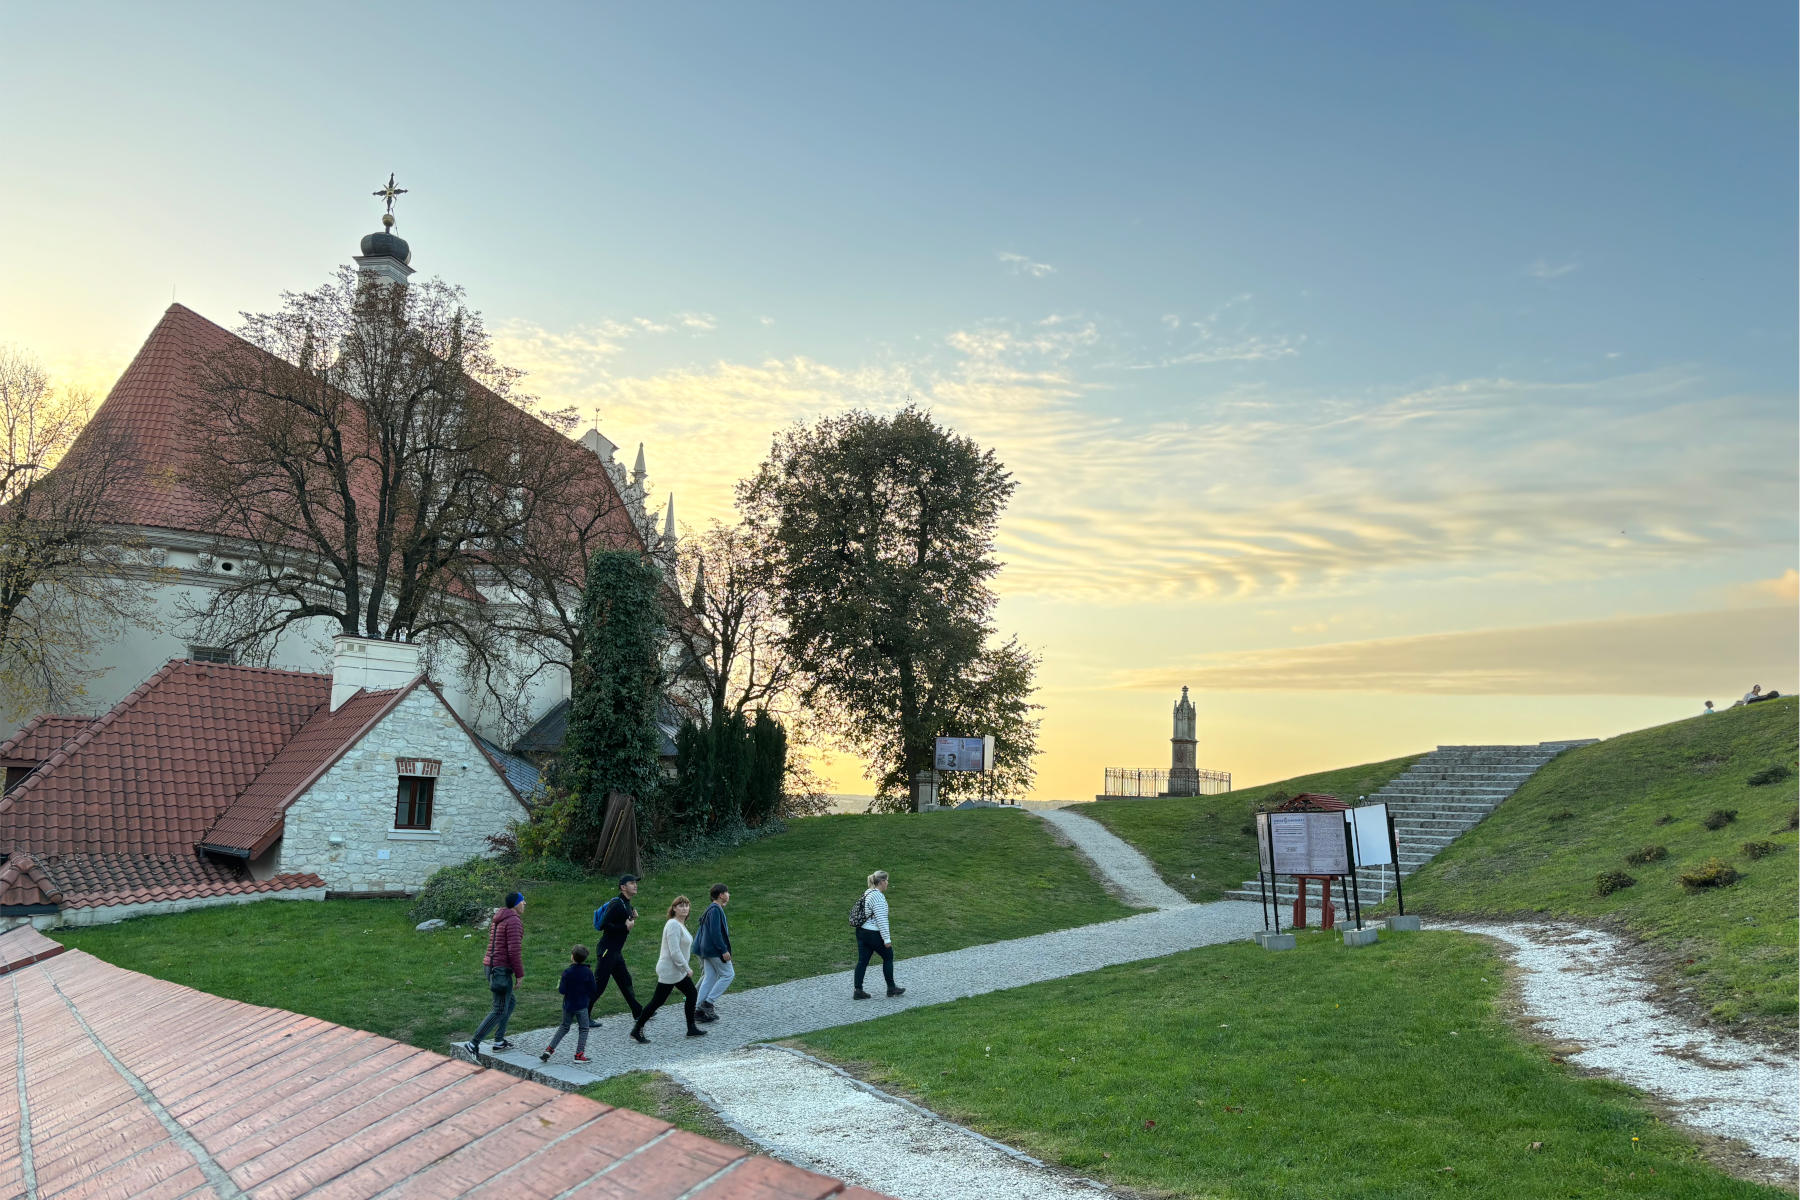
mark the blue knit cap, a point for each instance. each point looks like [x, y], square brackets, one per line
[514, 899]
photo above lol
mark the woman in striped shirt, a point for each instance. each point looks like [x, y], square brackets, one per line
[873, 937]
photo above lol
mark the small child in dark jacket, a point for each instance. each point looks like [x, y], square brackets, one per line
[578, 988]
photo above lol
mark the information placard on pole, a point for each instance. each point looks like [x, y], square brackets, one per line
[1369, 832]
[1308, 843]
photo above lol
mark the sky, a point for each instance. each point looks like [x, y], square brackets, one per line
[1388, 374]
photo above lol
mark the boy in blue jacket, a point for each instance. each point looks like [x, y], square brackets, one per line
[713, 945]
[579, 989]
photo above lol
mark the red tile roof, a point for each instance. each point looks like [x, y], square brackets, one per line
[151, 776]
[254, 820]
[102, 880]
[40, 738]
[152, 407]
[194, 1095]
[23, 884]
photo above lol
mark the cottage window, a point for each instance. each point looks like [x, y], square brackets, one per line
[16, 775]
[412, 809]
[212, 654]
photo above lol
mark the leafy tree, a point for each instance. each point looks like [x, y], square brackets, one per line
[613, 741]
[880, 536]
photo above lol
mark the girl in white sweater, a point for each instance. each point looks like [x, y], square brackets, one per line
[673, 971]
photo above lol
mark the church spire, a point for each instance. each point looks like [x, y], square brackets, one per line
[669, 524]
[385, 256]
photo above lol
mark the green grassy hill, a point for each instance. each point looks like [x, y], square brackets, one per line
[1205, 845]
[959, 879]
[1731, 949]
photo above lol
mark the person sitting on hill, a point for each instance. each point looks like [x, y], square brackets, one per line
[1756, 693]
[1709, 709]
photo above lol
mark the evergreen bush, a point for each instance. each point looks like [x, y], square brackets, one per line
[1719, 818]
[1768, 775]
[1755, 850]
[1608, 882]
[1713, 873]
[464, 893]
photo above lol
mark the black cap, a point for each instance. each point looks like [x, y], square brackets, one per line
[627, 878]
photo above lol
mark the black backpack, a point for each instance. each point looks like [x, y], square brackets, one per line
[859, 912]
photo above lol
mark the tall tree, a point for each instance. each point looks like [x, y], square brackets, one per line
[67, 580]
[881, 541]
[613, 742]
[370, 458]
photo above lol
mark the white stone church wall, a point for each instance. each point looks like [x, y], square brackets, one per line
[354, 802]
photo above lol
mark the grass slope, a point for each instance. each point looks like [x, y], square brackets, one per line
[1228, 1072]
[959, 878]
[656, 1095]
[1734, 947]
[1205, 845]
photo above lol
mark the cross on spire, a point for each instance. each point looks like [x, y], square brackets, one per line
[389, 192]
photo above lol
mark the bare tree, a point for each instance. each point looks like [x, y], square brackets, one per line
[374, 463]
[67, 581]
[736, 635]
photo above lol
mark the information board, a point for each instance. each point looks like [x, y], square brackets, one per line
[1369, 834]
[1303, 843]
[964, 754]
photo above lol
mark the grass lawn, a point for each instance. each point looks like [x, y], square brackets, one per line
[959, 879]
[1231, 1072]
[656, 1095]
[1206, 845]
[1733, 947]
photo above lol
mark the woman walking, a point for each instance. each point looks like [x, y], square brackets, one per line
[873, 937]
[673, 971]
[505, 966]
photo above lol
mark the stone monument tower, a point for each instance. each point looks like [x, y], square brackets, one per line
[1184, 775]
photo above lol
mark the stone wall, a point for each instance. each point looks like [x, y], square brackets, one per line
[106, 914]
[354, 803]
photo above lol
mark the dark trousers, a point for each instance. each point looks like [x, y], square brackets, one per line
[572, 1016]
[689, 993]
[504, 1000]
[611, 965]
[869, 943]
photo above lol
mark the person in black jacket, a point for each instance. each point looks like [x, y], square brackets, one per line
[614, 920]
[713, 945]
[578, 991]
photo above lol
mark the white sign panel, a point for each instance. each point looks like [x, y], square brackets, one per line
[1303, 843]
[1369, 831]
[964, 754]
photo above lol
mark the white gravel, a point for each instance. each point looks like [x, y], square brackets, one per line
[803, 1005]
[1118, 863]
[1587, 987]
[816, 1116]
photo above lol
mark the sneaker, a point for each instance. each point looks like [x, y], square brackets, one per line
[704, 1017]
[544, 1057]
[859, 994]
[470, 1048]
[637, 1034]
[583, 1058]
[708, 1009]
[696, 1031]
[502, 1044]
[896, 991]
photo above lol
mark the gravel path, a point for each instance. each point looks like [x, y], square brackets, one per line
[816, 1116]
[1587, 987]
[1118, 862]
[803, 1005]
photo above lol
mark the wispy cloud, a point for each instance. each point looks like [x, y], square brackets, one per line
[1228, 333]
[1543, 268]
[1020, 265]
[1696, 655]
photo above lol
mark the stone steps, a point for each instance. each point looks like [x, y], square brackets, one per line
[1435, 801]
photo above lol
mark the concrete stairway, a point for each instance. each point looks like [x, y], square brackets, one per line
[1436, 800]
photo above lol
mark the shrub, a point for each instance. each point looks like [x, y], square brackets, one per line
[1608, 882]
[1648, 854]
[1665, 819]
[1768, 775]
[548, 831]
[1719, 818]
[463, 893]
[1754, 850]
[1794, 819]
[1713, 873]
[1564, 815]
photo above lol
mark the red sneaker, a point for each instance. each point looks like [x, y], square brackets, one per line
[583, 1058]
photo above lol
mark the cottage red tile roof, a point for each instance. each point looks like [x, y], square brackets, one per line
[102, 880]
[254, 820]
[194, 1095]
[40, 738]
[23, 884]
[151, 776]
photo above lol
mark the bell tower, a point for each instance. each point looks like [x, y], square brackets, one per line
[1184, 775]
